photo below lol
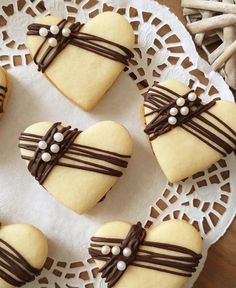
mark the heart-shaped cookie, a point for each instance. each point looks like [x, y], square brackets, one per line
[3, 89]
[77, 168]
[186, 135]
[82, 61]
[23, 252]
[164, 256]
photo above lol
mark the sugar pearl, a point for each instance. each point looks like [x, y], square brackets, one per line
[172, 120]
[66, 32]
[54, 29]
[58, 137]
[173, 111]
[192, 96]
[180, 101]
[43, 32]
[42, 145]
[115, 250]
[105, 250]
[127, 252]
[121, 266]
[52, 42]
[55, 148]
[184, 111]
[46, 157]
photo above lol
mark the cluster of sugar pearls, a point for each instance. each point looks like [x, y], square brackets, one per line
[54, 29]
[115, 250]
[54, 148]
[184, 110]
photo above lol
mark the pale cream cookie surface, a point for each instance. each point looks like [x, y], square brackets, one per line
[29, 242]
[181, 154]
[78, 189]
[82, 76]
[174, 232]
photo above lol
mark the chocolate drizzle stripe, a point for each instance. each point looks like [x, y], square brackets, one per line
[221, 140]
[14, 269]
[106, 240]
[210, 135]
[156, 101]
[7, 278]
[100, 168]
[204, 140]
[111, 159]
[183, 264]
[165, 246]
[222, 132]
[161, 110]
[79, 39]
[3, 91]
[159, 255]
[84, 153]
[168, 90]
[3, 88]
[222, 122]
[172, 247]
[74, 146]
[188, 267]
[29, 137]
[70, 155]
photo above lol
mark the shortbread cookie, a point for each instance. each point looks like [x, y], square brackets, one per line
[129, 256]
[187, 135]
[77, 168]
[82, 61]
[23, 252]
[3, 90]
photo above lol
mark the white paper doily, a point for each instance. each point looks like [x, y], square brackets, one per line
[164, 50]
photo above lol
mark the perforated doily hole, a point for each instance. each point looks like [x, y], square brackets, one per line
[159, 54]
[217, 174]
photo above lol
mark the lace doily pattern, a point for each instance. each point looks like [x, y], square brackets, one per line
[163, 50]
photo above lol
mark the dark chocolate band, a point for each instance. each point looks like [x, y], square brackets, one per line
[79, 39]
[14, 269]
[70, 155]
[161, 99]
[182, 265]
[3, 91]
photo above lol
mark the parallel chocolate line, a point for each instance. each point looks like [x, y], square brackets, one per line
[161, 99]
[183, 264]
[71, 155]
[3, 91]
[82, 40]
[14, 269]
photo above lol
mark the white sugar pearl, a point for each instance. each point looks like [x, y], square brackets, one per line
[192, 96]
[46, 157]
[58, 137]
[55, 148]
[180, 101]
[115, 250]
[172, 120]
[43, 32]
[66, 32]
[174, 111]
[42, 145]
[127, 252]
[121, 266]
[184, 111]
[54, 29]
[106, 250]
[52, 42]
